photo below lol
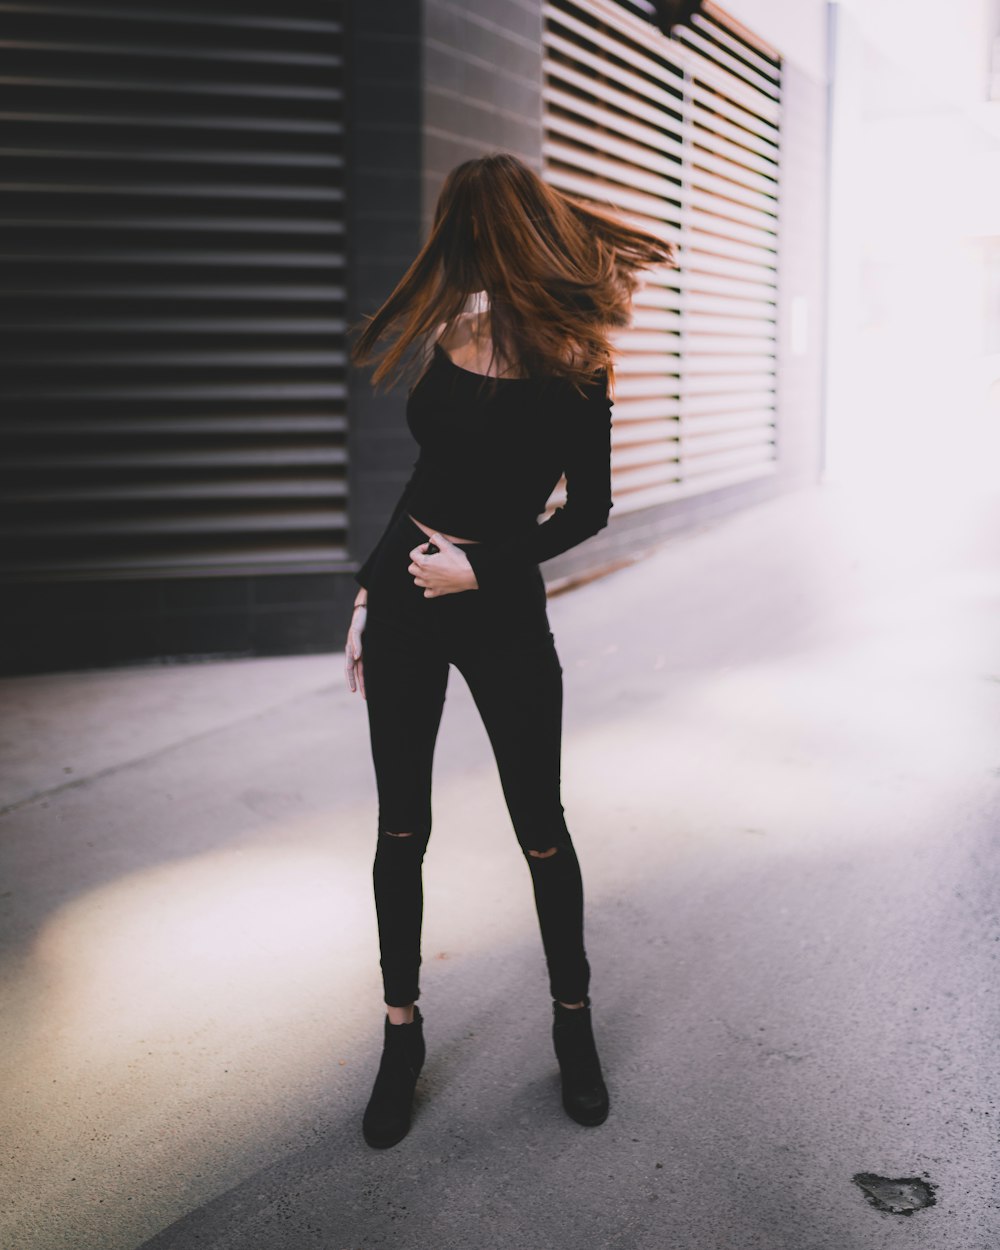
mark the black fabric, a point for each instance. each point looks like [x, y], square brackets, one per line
[501, 643]
[490, 457]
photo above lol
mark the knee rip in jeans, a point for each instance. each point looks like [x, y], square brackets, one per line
[400, 850]
[414, 839]
[416, 835]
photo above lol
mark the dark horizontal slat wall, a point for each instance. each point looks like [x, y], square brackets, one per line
[385, 162]
[174, 263]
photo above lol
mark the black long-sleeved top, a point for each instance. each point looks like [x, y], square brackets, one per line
[489, 463]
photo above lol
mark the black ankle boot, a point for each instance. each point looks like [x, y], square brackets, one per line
[387, 1116]
[584, 1094]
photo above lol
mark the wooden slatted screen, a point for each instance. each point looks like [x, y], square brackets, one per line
[173, 214]
[680, 135]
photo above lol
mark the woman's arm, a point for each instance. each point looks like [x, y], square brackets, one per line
[363, 574]
[588, 492]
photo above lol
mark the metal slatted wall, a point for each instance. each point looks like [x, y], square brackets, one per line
[681, 135]
[173, 205]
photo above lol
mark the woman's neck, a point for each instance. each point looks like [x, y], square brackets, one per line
[470, 344]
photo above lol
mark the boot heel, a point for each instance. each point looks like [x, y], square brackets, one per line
[387, 1117]
[584, 1094]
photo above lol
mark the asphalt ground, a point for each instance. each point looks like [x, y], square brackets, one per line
[781, 770]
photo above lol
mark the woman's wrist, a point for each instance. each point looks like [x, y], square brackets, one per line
[360, 603]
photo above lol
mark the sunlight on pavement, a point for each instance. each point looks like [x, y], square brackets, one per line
[240, 936]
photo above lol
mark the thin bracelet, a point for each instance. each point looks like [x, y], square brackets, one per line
[361, 605]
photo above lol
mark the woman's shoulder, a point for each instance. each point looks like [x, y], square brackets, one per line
[467, 342]
[463, 340]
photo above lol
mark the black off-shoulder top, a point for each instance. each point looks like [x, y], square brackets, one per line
[491, 456]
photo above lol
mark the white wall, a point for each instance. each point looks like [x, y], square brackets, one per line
[914, 205]
[907, 393]
[944, 47]
[943, 43]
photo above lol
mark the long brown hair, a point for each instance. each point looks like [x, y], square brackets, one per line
[559, 274]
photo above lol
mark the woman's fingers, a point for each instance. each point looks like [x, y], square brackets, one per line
[355, 672]
[444, 576]
[349, 666]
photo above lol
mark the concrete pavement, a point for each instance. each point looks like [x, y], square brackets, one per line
[782, 771]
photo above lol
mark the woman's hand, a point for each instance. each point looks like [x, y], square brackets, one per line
[355, 666]
[444, 572]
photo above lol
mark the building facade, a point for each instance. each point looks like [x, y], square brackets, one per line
[205, 201]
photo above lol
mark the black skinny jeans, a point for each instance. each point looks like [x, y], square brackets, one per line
[501, 643]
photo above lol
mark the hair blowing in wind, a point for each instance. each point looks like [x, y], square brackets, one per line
[558, 272]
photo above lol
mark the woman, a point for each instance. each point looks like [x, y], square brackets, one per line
[510, 397]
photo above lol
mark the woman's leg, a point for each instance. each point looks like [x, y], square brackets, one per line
[406, 685]
[517, 685]
[516, 682]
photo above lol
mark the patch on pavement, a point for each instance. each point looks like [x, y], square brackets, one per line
[899, 1197]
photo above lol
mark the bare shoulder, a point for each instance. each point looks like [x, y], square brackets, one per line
[467, 340]
[469, 343]
[464, 334]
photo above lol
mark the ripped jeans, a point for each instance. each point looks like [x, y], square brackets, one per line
[501, 643]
